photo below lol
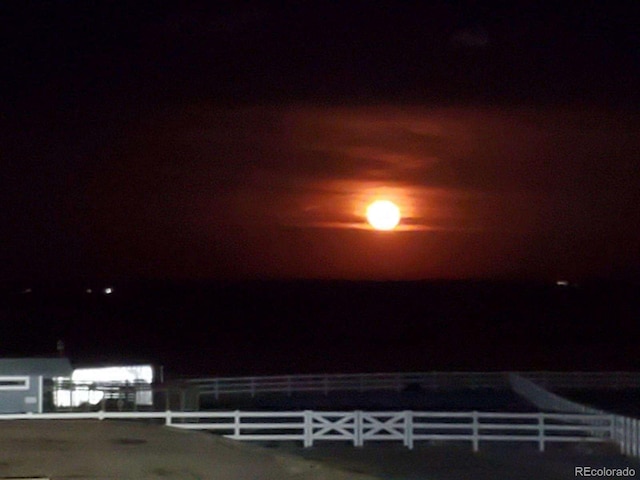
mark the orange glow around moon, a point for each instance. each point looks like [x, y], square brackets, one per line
[383, 215]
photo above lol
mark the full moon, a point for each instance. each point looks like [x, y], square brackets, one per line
[383, 215]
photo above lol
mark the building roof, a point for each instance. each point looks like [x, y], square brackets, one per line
[47, 367]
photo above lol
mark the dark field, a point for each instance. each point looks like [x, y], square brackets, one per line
[486, 400]
[456, 461]
[622, 402]
[282, 327]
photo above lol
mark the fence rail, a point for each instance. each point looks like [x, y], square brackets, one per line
[625, 431]
[584, 380]
[358, 427]
[289, 384]
[346, 382]
[545, 400]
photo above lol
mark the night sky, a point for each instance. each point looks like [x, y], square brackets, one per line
[213, 161]
[215, 140]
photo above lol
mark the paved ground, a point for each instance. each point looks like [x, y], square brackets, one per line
[126, 450]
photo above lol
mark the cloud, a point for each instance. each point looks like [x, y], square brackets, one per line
[282, 190]
[456, 168]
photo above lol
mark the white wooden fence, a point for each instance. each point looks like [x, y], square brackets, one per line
[546, 400]
[584, 380]
[346, 382]
[289, 384]
[358, 427]
[625, 431]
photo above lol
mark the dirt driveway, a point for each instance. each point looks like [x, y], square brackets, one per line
[79, 449]
[93, 450]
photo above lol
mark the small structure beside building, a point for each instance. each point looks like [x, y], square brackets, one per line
[128, 386]
[23, 380]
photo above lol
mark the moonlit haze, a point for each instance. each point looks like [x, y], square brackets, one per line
[232, 145]
[197, 184]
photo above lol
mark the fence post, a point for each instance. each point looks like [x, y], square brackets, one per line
[308, 428]
[408, 429]
[357, 428]
[253, 387]
[632, 440]
[475, 425]
[634, 431]
[216, 388]
[616, 429]
[631, 447]
[236, 425]
[612, 428]
[627, 424]
[620, 433]
[541, 431]
[167, 418]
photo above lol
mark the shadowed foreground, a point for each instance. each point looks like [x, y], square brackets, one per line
[133, 450]
[456, 460]
[122, 450]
